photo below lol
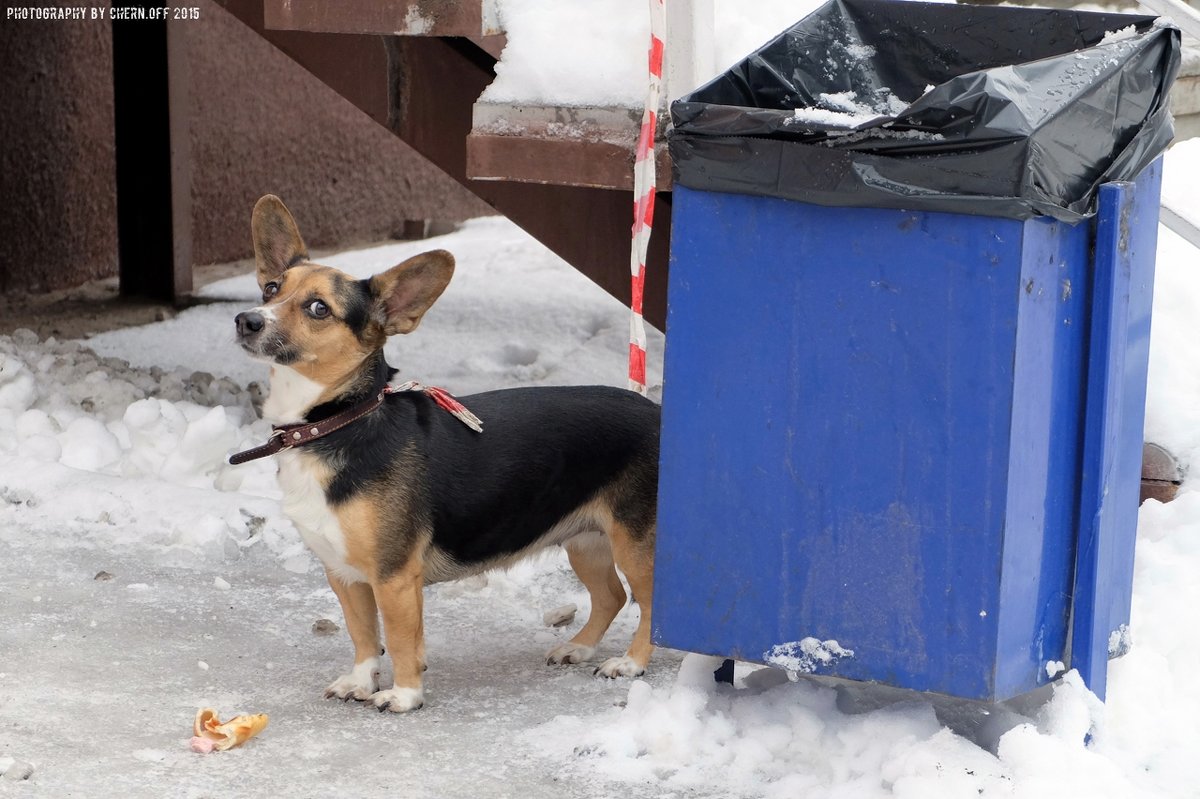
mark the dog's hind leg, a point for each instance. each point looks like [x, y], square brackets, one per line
[362, 622]
[591, 557]
[401, 599]
[635, 557]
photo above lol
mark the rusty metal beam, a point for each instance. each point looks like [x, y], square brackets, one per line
[570, 162]
[588, 227]
[565, 145]
[423, 89]
[387, 17]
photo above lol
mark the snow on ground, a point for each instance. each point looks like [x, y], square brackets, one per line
[117, 468]
[210, 598]
[514, 314]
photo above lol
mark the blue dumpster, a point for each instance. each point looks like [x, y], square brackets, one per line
[902, 444]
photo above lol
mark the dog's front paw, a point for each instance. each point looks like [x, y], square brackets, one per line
[569, 653]
[623, 666]
[399, 700]
[361, 683]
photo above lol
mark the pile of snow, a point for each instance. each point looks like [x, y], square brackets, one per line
[846, 109]
[776, 739]
[121, 456]
[594, 53]
[1119, 35]
[583, 47]
[831, 117]
[123, 442]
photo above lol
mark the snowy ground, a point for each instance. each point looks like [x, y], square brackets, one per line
[117, 468]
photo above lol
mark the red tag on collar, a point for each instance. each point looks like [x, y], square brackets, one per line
[444, 400]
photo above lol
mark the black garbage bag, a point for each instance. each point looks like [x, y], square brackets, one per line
[928, 106]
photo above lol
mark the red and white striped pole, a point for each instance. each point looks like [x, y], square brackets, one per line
[643, 207]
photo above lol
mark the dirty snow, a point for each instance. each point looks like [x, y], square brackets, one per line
[144, 579]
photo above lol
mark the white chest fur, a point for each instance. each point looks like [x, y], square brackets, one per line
[304, 503]
[292, 395]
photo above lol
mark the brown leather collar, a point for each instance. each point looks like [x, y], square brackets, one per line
[295, 435]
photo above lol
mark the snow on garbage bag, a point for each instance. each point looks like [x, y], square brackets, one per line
[1008, 112]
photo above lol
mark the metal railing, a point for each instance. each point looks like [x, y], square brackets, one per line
[1179, 12]
[1179, 224]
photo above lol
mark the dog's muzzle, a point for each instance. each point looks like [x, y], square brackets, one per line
[248, 323]
[262, 339]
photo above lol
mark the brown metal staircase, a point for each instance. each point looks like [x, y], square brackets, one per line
[417, 67]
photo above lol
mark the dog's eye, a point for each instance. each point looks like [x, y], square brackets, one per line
[318, 309]
[271, 289]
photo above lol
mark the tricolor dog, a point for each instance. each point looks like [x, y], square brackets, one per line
[394, 490]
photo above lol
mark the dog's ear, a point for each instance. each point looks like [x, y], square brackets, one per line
[404, 293]
[277, 242]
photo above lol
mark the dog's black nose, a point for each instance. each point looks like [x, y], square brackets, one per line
[248, 322]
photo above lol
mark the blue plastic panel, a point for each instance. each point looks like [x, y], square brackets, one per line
[1126, 238]
[872, 433]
